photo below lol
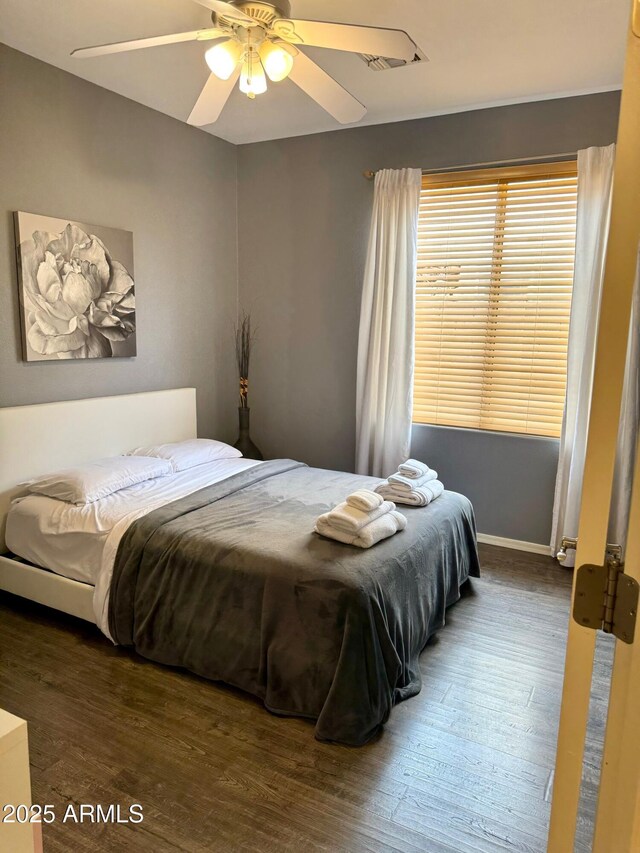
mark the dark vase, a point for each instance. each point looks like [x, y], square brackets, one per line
[244, 443]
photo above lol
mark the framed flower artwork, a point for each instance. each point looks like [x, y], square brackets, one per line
[77, 291]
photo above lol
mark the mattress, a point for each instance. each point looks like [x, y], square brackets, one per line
[78, 542]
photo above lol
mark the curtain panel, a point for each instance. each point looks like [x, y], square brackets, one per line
[595, 183]
[384, 398]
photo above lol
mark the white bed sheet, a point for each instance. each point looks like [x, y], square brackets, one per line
[80, 542]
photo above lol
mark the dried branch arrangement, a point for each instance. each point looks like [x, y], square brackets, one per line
[244, 342]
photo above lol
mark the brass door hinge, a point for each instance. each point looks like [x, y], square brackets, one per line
[607, 599]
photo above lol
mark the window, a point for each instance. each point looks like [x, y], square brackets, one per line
[493, 294]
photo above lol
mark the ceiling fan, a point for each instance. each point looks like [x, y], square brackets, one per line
[255, 40]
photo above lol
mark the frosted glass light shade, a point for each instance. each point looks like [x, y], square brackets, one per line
[252, 79]
[222, 58]
[276, 60]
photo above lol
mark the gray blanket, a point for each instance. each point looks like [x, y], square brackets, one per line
[232, 583]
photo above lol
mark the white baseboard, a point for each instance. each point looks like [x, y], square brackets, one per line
[516, 544]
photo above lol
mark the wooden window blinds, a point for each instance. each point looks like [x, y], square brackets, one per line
[493, 295]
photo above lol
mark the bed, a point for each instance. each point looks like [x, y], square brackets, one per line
[218, 570]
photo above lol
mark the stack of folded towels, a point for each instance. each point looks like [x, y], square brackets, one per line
[414, 484]
[363, 519]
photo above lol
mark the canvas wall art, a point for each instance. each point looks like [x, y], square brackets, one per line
[77, 292]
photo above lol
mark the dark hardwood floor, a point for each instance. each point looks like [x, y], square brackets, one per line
[464, 767]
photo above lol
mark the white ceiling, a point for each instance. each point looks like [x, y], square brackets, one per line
[482, 53]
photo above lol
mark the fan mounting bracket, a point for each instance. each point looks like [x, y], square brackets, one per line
[262, 12]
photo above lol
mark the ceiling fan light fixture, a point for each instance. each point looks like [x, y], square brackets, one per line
[277, 61]
[251, 37]
[222, 58]
[253, 80]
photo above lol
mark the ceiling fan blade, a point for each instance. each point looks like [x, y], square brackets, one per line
[212, 99]
[154, 41]
[226, 10]
[375, 41]
[325, 91]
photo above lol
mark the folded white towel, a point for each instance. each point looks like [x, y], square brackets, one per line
[405, 484]
[420, 496]
[369, 535]
[364, 499]
[413, 469]
[351, 520]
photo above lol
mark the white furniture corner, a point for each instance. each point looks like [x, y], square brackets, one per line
[15, 785]
[46, 437]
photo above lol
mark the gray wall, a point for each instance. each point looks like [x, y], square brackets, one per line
[71, 149]
[509, 479]
[303, 218]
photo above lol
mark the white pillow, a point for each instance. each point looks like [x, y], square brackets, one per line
[188, 454]
[88, 483]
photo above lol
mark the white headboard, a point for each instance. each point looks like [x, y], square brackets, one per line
[42, 438]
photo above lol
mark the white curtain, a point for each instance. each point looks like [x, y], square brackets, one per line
[628, 429]
[595, 180]
[385, 346]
